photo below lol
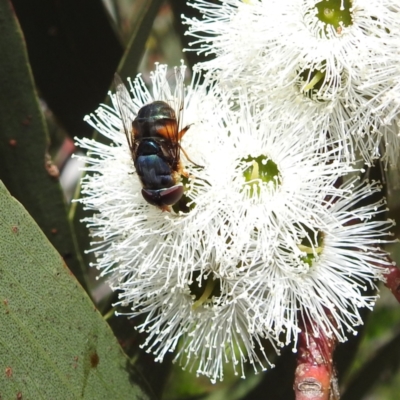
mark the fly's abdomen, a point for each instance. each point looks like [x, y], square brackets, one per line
[153, 169]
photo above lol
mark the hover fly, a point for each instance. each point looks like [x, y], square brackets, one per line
[154, 140]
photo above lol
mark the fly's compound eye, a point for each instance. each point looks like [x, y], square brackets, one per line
[163, 197]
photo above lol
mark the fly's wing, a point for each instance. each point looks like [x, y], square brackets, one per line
[125, 109]
[175, 98]
[179, 95]
[173, 139]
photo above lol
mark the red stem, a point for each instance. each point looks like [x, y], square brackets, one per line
[315, 377]
[393, 281]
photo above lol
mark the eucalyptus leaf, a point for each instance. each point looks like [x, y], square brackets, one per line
[26, 168]
[54, 344]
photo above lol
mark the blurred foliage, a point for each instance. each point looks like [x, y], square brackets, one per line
[74, 48]
[73, 52]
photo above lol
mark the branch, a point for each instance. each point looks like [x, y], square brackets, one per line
[393, 281]
[315, 377]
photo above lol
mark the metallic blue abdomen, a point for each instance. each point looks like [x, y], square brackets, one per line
[151, 166]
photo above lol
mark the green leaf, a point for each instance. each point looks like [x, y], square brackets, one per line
[25, 167]
[54, 344]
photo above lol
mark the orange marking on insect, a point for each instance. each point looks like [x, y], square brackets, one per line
[167, 130]
[182, 132]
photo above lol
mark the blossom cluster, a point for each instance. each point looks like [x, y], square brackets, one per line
[275, 227]
[335, 62]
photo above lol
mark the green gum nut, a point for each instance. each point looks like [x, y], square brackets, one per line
[335, 12]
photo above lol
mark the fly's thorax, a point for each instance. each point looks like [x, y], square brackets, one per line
[157, 128]
[156, 119]
[156, 110]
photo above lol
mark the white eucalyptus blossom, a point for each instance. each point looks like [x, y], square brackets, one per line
[211, 317]
[336, 274]
[326, 61]
[225, 267]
